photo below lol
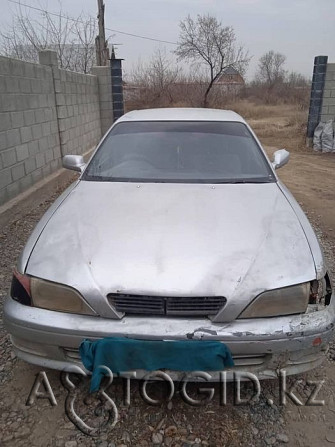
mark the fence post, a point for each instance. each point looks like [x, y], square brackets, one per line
[117, 86]
[315, 105]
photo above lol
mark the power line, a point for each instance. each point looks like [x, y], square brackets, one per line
[143, 37]
[80, 21]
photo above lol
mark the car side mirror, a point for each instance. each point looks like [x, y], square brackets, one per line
[74, 162]
[280, 158]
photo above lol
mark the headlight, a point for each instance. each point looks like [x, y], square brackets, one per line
[53, 296]
[47, 295]
[275, 303]
[37, 292]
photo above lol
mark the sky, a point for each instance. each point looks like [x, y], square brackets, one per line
[299, 29]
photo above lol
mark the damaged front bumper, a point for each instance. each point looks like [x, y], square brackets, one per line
[295, 343]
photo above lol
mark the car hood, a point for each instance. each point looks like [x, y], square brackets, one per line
[231, 240]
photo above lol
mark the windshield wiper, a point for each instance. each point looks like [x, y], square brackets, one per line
[252, 181]
[244, 181]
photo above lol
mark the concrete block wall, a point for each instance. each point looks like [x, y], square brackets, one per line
[78, 110]
[105, 97]
[45, 113]
[328, 101]
[29, 141]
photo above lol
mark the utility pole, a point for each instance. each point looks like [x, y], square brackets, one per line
[101, 48]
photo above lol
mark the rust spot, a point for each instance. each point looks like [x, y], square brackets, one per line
[317, 341]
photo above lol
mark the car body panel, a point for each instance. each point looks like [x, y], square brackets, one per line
[316, 250]
[263, 346]
[179, 242]
[30, 244]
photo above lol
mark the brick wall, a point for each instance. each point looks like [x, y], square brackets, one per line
[45, 113]
[328, 101]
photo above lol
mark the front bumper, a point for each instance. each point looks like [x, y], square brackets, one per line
[260, 346]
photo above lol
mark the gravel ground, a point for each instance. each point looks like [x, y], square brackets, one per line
[171, 424]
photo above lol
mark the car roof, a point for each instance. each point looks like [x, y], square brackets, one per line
[182, 114]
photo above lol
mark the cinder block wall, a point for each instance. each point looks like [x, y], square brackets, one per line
[328, 101]
[45, 113]
[105, 97]
[78, 110]
[29, 141]
[322, 101]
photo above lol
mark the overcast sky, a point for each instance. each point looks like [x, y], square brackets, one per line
[300, 29]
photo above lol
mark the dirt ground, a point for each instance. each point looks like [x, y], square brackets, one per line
[311, 178]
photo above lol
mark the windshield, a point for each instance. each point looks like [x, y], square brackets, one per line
[154, 151]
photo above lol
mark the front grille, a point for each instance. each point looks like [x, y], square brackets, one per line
[160, 305]
[198, 305]
[138, 304]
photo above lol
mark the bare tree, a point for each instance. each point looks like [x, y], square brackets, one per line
[207, 41]
[85, 32]
[163, 73]
[295, 79]
[72, 39]
[271, 69]
[156, 79]
[273, 84]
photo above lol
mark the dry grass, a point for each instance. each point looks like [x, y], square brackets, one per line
[281, 125]
[254, 111]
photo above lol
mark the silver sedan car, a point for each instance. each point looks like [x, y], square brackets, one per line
[178, 228]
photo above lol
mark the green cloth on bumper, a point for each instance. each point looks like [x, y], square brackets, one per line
[126, 354]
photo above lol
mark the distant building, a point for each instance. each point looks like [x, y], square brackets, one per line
[230, 81]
